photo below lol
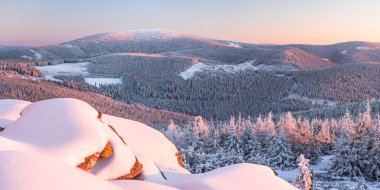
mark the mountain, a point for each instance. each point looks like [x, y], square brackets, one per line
[165, 41]
[65, 143]
[183, 73]
[290, 58]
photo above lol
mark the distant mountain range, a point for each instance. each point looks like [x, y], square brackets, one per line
[303, 57]
[200, 76]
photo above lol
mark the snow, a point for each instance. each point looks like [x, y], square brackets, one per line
[119, 163]
[232, 44]
[239, 176]
[66, 129]
[25, 171]
[326, 59]
[153, 144]
[102, 81]
[363, 48]
[10, 111]
[140, 54]
[141, 185]
[53, 136]
[344, 52]
[321, 167]
[36, 56]
[139, 35]
[204, 67]
[65, 69]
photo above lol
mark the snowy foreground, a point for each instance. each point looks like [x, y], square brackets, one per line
[67, 144]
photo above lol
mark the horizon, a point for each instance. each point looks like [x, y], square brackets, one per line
[42, 45]
[255, 22]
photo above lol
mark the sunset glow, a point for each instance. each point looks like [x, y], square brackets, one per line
[254, 21]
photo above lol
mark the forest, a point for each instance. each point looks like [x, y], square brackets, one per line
[352, 139]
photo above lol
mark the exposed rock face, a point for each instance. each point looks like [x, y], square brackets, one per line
[179, 155]
[108, 151]
[135, 171]
[89, 162]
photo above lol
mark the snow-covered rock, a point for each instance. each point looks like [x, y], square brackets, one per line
[10, 111]
[26, 171]
[71, 131]
[66, 129]
[147, 142]
[43, 147]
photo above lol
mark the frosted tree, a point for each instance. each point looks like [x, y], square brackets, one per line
[347, 161]
[361, 185]
[304, 178]
[279, 153]
[290, 127]
[269, 124]
[195, 160]
[251, 147]
[172, 132]
[324, 137]
[201, 127]
[239, 126]
[260, 125]
[234, 153]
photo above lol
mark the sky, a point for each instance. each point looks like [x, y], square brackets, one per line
[44, 22]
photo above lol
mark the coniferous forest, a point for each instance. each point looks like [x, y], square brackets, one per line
[351, 141]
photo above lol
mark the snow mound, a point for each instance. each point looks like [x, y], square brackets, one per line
[70, 131]
[148, 143]
[10, 111]
[53, 138]
[141, 185]
[26, 171]
[239, 176]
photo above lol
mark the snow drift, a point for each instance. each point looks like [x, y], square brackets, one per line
[65, 143]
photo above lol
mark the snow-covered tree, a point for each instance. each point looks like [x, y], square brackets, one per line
[304, 178]
[172, 132]
[251, 147]
[279, 153]
[234, 153]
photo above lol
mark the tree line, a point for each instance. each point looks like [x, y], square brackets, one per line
[355, 142]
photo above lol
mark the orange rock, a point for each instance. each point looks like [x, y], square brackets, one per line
[89, 162]
[107, 151]
[135, 171]
[179, 155]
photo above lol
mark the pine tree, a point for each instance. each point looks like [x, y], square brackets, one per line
[172, 132]
[304, 178]
[279, 153]
[234, 153]
[324, 137]
[251, 147]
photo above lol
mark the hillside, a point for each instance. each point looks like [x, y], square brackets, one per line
[82, 148]
[184, 73]
[294, 59]
[18, 88]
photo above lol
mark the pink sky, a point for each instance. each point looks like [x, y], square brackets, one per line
[254, 21]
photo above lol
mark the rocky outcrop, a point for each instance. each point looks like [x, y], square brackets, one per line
[89, 162]
[134, 172]
[107, 151]
[179, 156]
